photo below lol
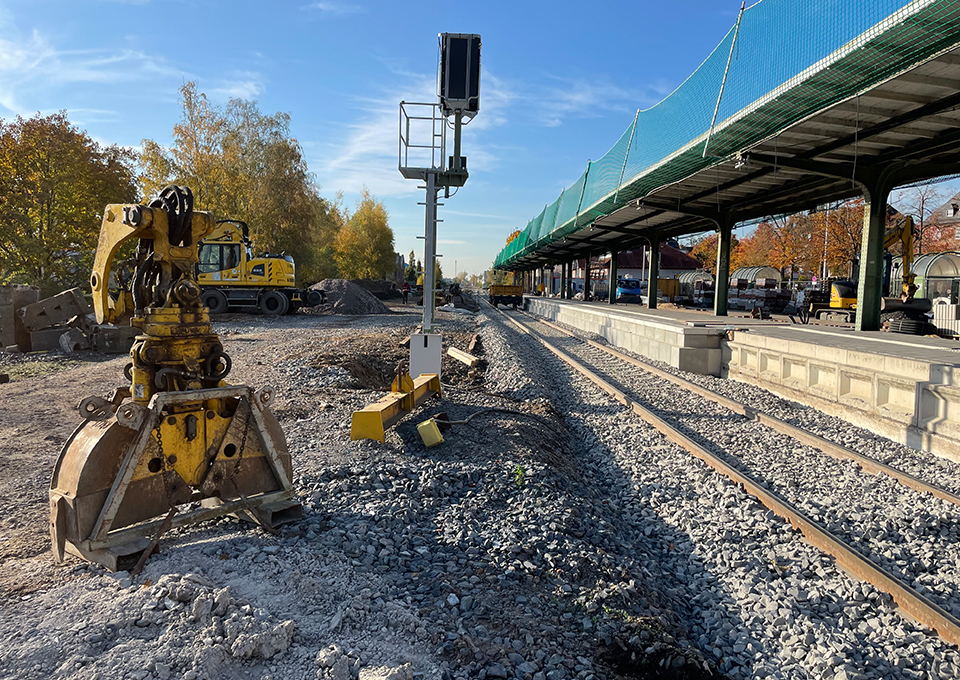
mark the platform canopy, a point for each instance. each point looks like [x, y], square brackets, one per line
[801, 98]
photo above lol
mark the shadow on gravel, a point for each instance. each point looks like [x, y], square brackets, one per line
[702, 614]
[521, 509]
[864, 530]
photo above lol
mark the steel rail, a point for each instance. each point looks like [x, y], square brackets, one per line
[914, 604]
[832, 449]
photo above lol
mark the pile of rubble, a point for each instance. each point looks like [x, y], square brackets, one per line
[64, 321]
[346, 297]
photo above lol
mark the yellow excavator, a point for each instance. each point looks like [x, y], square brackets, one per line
[231, 277]
[176, 444]
[843, 293]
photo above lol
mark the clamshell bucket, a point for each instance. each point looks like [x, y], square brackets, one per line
[123, 479]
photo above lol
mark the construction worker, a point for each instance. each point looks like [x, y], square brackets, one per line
[405, 289]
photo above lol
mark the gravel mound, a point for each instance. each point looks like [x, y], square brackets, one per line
[380, 289]
[346, 297]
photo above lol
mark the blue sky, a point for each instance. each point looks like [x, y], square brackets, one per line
[560, 82]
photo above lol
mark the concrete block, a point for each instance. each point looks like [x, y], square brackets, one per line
[906, 368]
[793, 372]
[828, 354]
[865, 360]
[46, 340]
[114, 339]
[896, 398]
[13, 298]
[769, 365]
[822, 378]
[72, 340]
[856, 387]
[698, 361]
[777, 344]
[54, 311]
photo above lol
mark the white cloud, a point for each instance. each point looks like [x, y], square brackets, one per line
[369, 152]
[33, 66]
[337, 8]
[245, 85]
[82, 117]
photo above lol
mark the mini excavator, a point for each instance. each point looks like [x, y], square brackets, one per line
[175, 445]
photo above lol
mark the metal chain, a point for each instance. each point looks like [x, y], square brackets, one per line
[163, 459]
[243, 439]
[163, 463]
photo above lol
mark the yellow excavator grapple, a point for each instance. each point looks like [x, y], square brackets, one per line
[176, 445]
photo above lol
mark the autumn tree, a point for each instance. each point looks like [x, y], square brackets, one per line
[411, 272]
[244, 164]
[921, 202]
[364, 246]
[755, 249]
[939, 238]
[844, 225]
[705, 250]
[54, 184]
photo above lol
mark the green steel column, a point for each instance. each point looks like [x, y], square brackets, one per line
[586, 278]
[569, 289]
[723, 268]
[612, 297]
[563, 280]
[654, 271]
[871, 256]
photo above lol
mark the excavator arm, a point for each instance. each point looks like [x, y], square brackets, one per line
[176, 433]
[903, 233]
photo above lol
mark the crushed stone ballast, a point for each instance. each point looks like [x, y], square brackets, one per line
[716, 431]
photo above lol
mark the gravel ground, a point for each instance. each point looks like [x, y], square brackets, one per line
[809, 619]
[497, 554]
[554, 536]
[913, 536]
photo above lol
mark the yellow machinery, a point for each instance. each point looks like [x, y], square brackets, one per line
[843, 294]
[406, 394]
[176, 434]
[231, 276]
[903, 232]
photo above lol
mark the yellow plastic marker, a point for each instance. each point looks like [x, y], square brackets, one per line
[430, 433]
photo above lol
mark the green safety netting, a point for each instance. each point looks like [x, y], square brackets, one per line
[790, 59]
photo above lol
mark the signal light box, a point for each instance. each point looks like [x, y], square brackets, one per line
[460, 74]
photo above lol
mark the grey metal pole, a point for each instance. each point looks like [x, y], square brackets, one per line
[722, 286]
[586, 278]
[612, 293]
[654, 271]
[430, 253]
[871, 257]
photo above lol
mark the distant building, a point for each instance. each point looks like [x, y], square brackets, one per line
[948, 213]
[635, 264]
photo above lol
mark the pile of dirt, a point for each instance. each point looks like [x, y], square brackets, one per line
[346, 297]
[380, 289]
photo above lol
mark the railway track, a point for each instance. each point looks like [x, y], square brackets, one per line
[617, 374]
